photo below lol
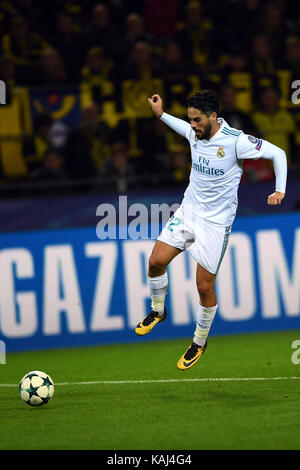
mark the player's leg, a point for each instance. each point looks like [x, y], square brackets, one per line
[162, 254]
[208, 250]
[207, 310]
[206, 287]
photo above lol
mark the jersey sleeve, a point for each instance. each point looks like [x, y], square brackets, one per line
[251, 147]
[248, 146]
[178, 125]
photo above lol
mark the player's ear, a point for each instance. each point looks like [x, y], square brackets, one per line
[213, 116]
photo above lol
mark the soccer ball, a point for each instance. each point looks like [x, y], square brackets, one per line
[36, 388]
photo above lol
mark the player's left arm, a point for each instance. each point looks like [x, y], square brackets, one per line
[280, 169]
[249, 147]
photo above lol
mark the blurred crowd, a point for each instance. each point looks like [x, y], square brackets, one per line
[119, 52]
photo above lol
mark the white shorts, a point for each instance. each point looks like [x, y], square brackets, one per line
[207, 242]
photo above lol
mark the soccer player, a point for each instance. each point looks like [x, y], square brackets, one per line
[203, 222]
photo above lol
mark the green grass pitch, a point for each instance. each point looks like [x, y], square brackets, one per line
[144, 402]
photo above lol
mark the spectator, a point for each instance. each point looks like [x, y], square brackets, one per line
[69, 44]
[98, 67]
[88, 146]
[53, 71]
[293, 56]
[135, 30]
[6, 11]
[262, 61]
[35, 17]
[173, 61]
[272, 24]
[274, 124]
[236, 72]
[78, 10]
[292, 23]
[180, 165]
[156, 148]
[235, 117]
[51, 171]
[195, 35]
[102, 32]
[99, 82]
[158, 143]
[177, 77]
[237, 61]
[141, 64]
[36, 146]
[26, 48]
[118, 173]
[241, 19]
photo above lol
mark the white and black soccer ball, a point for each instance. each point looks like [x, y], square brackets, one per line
[36, 388]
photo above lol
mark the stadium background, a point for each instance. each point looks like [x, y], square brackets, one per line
[77, 131]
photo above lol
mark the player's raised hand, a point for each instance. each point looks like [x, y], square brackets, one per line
[156, 104]
[275, 198]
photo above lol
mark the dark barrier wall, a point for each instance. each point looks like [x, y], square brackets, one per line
[80, 210]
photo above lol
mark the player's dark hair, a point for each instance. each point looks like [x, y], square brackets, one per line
[206, 101]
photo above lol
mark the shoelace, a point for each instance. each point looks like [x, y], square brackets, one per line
[192, 351]
[150, 318]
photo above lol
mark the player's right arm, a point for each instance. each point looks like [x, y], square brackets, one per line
[178, 125]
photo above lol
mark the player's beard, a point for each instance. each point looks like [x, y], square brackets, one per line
[205, 133]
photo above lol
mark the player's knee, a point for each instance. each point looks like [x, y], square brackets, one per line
[205, 288]
[156, 267]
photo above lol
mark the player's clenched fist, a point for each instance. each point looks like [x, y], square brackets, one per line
[156, 104]
[275, 198]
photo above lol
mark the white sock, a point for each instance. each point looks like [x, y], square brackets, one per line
[158, 289]
[203, 324]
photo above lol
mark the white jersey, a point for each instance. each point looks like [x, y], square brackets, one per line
[217, 169]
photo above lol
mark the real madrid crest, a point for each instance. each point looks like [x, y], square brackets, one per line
[220, 152]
